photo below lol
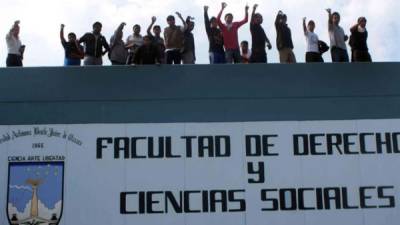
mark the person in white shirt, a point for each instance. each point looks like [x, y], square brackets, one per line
[133, 42]
[312, 54]
[14, 46]
[245, 52]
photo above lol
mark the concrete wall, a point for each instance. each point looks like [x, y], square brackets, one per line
[197, 93]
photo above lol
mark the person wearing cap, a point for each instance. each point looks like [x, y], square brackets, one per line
[216, 48]
[337, 38]
[174, 39]
[14, 47]
[358, 41]
[230, 34]
[284, 41]
[94, 43]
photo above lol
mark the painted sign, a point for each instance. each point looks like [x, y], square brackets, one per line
[249, 173]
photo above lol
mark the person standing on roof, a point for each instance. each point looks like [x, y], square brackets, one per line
[156, 38]
[313, 53]
[174, 39]
[118, 52]
[133, 42]
[259, 38]
[337, 38]
[358, 41]
[284, 41]
[73, 50]
[94, 43]
[14, 47]
[189, 49]
[216, 49]
[230, 34]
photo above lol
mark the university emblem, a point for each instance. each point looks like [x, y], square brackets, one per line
[35, 193]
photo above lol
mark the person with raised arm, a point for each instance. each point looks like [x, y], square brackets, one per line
[133, 42]
[216, 48]
[94, 43]
[189, 50]
[259, 38]
[312, 53]
[73, 50]
[337, 38]
[230, 34]
[358, 41]
[284, 41]
[118, 52]
[14, 47]
[174, 39]
[156, 39]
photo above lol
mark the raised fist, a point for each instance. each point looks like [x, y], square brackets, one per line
[205, 8]
[153, 19]
[224, 5]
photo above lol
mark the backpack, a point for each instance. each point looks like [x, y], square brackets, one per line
[323, 47]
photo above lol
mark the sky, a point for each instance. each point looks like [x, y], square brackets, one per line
[41, 19]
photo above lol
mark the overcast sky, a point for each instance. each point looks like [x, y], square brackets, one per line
[41, 19]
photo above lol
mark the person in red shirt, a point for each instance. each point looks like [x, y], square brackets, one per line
[230, 34]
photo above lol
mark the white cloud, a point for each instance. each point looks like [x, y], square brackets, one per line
[40, 22]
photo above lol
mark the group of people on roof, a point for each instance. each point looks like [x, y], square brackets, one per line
[177, 44]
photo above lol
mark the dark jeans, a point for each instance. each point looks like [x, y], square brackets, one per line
[14, 60]
[361, 56]
[339, 55]
[232, 56]
[174, 56]
[313, 57]
[258, 56]
[115, 63]
[72, 62]
[217, 58]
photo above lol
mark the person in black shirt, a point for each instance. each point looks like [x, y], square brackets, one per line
[358, 41]
[94, 44]
[216, 49]
[189, 50]
[157, 39]
[259, 38]
[73, 50]
[284, 41]
[147, 53]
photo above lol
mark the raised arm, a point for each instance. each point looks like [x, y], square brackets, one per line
[220, 24]
[304, 26]
[14, 26]
[330, 22]
[278, 19]
[207, 20]
[246, 18]
[62, 38]
[153, 21]
[183, 20]
[253, 13]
